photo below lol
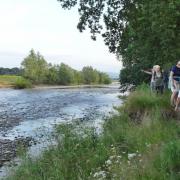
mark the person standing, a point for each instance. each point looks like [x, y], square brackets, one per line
[175, 84]
[151, 72]
[158, 80]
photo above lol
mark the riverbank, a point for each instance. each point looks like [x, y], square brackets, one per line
[141, 142]
[7, 81]
[10, 81]
[77, 86]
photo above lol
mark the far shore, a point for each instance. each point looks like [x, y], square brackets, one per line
[67, 86]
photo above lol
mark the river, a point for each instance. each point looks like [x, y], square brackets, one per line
[32, 114]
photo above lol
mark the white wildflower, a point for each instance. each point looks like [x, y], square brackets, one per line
[130, 156]
[112, 157]
[100, 174]
[108, 162]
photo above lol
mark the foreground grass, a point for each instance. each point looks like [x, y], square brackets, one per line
[142, 142]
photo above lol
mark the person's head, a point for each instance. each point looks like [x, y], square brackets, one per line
[157, 68]
[154, 68]
[178, 64]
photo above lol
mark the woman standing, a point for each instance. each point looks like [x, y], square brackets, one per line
[152, 83]
[158, 80]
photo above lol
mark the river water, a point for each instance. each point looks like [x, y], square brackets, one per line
[34, 113]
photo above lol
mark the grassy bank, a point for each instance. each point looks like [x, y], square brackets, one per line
[141, 142]
[7, 80]
[17, 82]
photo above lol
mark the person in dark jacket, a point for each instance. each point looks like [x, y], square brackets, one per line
[175, 84]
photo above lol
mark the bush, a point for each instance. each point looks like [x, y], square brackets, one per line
[22, 83]
[143, 99]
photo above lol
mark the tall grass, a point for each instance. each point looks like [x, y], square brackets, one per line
[128, 150]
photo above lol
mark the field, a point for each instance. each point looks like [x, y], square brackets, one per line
[8, 80]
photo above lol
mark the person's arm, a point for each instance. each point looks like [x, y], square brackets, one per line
[171, 78]
[147, 72]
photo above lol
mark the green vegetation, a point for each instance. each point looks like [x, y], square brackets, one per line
[142, 32]
[8, 80]
[38, 71]
[10, 71]
[17, 82]
[141, 142]
[22, 83]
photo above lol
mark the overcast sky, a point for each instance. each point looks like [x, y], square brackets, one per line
[44, 26]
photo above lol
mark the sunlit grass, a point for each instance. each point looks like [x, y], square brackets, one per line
[8, 80]
[17, 82]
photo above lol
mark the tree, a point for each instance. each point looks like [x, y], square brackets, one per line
[52, 75]
[78, 77]
[104, 78]
[66, 75]
[35, 67]
[90, 75]
[10, 71]
[141, 32]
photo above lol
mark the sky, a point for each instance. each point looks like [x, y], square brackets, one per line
[44, 26]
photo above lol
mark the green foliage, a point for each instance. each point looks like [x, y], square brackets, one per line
[22, 83]
[35, 67]
[168, 161]
[38, 71]
[52, 75]
[104, 78]
[78, 77]
[8, 80]
[65, 74]
[90, 75]
[10, 71]
[144, 99]
[142, 32]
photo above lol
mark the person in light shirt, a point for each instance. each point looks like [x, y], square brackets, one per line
[152, 83]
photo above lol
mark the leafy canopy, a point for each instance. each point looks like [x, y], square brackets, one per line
[38, 71]
[141, 32]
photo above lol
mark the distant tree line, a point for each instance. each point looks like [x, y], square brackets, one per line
[10, 71]
[38, 71]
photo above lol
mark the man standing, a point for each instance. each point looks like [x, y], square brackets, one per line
[175, 87]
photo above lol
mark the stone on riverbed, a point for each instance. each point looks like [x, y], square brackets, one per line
[9, 149]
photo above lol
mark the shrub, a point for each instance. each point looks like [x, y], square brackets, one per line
[143, 99]
[22, 83]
